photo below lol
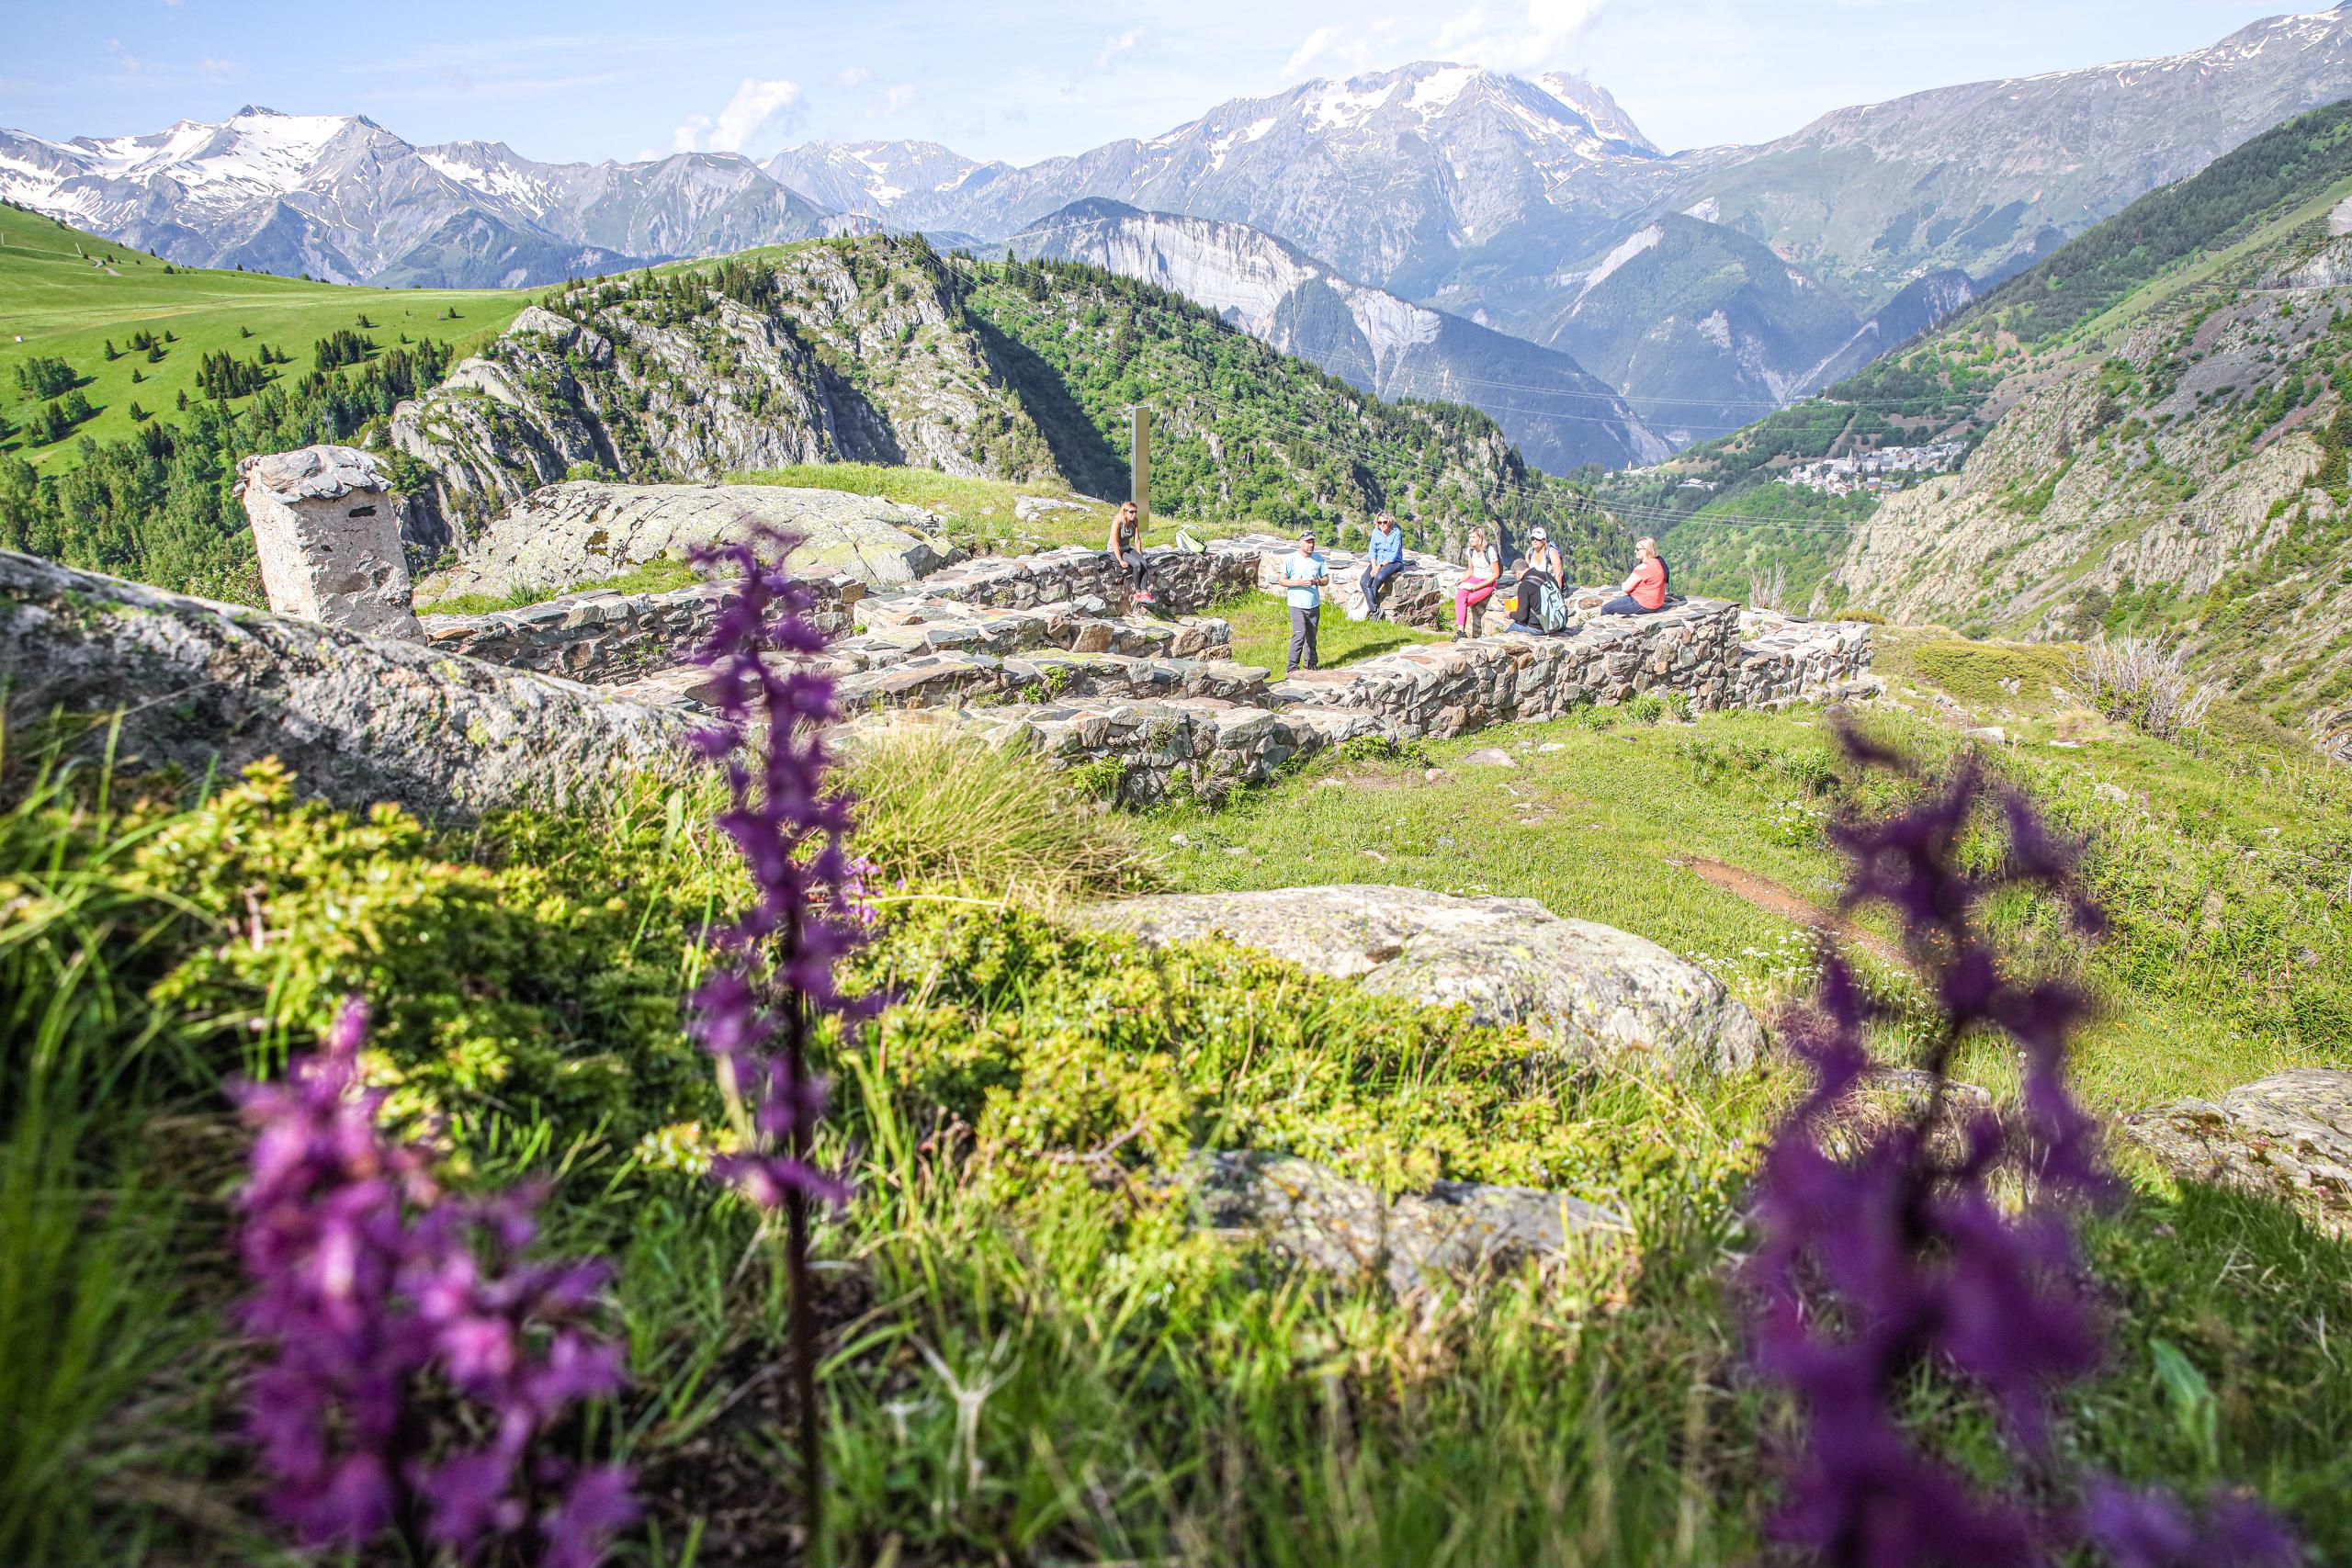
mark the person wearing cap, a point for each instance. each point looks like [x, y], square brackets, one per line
[1383, 558]
[1544, 556]
[1303, 576]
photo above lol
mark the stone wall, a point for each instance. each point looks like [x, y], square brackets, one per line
[1443, 689]
[209, 688]
[602, 637]
[1182, 583]
[1782, 659]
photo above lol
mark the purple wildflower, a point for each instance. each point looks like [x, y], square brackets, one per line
[773, 973]
[371, 1283]
[1900, 1256]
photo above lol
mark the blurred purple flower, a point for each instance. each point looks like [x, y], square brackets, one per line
[370, 1283]
[773, 973]
[1898, 1256]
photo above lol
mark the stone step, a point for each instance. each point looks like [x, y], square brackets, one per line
[936, 679]
[907, 626]
[1197, 746]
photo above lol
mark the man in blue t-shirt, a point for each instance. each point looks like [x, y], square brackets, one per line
[1303, 574]
[1383, 558]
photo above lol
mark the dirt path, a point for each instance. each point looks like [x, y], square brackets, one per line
[1773, 898]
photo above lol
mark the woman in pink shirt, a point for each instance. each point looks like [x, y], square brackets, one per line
[1645, 590]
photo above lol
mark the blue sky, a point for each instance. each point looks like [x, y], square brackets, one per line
[620, 78]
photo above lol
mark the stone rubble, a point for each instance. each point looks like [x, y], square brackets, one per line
[2288, 1136]
[327, 530]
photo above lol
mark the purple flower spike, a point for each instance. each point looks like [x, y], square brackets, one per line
[774, 965]
[370, 1286]
[1899, 1254]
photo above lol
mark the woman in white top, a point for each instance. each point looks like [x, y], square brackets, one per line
[1485, 572]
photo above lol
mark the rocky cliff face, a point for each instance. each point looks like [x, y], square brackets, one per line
[2191, 482]
[1558, 413]
[820, 354]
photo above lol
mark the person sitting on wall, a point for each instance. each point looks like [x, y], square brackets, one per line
[1383, 558]
[1485, 571]
[1544, 557]
[1127, 548]
[1646, 588]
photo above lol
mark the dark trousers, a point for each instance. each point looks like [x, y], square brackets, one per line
[1304, 624]
[1624, 604]
[1136, 567]
[1374, 579]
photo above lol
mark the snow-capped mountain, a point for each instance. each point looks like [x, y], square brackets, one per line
[1558, 414]
[1399, 177]
[874, 176]
[342, 198]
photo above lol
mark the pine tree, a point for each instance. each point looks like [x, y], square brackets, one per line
[138, 414]
[110, 352]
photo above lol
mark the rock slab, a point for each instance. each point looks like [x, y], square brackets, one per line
[1319, 1219]
[1590, 989]
[561, 536]
[2287, 1136]
[203, 686]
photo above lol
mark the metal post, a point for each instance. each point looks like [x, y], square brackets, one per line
[1139, 486]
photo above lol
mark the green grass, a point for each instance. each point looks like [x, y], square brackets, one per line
[657, 575]
[68, 305]
[1262, 633]
[1031, 1356]
[978, 513]
[1595, 828]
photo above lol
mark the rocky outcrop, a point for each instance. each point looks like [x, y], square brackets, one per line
[818, 353]
[2288, 1136]
[1588, 989]
[566, 534]
[1318, 1220]
[209, 688]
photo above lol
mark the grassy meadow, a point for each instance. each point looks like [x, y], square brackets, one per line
[1262, 633]
[65, 293]
[1031, 1354]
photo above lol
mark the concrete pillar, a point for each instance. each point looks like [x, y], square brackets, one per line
[328, 531]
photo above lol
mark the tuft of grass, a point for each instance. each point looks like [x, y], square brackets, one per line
[657, 575]
[947, 813]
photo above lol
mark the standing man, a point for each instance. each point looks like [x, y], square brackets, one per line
[1303, 574]
[1127, 548]
[1383, 558]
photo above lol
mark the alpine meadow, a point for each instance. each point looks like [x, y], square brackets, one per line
[1391, 828]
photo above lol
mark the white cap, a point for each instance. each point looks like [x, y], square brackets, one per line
[1540, 534]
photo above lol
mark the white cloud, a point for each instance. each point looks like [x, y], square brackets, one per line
[898, 98]
[851, 76]
[1316, 45]
[1115, 45]
[758, 105]
[1520, 38]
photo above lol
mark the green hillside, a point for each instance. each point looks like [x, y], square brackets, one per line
[2181, 250]
[67, 294]
[129, 388]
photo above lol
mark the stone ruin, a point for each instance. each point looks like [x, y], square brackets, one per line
[1039, 652]
[328, 531]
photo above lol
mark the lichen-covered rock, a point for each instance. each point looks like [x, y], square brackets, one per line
[1319, 1219]
[205, 686]
[1589, 989]
[565, 535]
[2285, 1136]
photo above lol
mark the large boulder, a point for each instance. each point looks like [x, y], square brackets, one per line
[1589, 989]
[1312, 1216]
[202, 686]
[562, 536]
[2287, 1136]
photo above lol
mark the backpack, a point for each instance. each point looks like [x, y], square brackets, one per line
[1540, 604]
